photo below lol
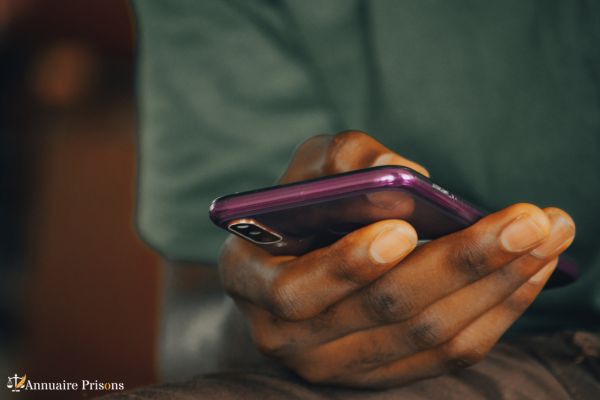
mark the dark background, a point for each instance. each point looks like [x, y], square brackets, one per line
[79, 292]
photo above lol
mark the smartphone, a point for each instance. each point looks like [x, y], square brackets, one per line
[295, 218]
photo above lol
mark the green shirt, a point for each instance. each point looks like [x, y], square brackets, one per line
[499, 100]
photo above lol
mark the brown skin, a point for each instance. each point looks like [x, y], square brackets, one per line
[362, 314]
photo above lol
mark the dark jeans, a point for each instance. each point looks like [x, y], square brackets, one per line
[565, 365]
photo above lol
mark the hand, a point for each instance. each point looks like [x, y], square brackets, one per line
[373, 311]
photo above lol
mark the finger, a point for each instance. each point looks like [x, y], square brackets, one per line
[448, 264]
[428, 274]
[561, 237]
[436, 325]
[346, 151]
[467, 348]
[353, 150]
[427, 329]
[246, 270]
[299, 288]
[308, 160]
[443, 319]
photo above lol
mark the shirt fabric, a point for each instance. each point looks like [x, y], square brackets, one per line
[499, 100]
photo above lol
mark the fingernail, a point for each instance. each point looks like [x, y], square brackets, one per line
[387, 159]
[392, 244]
[524, 232]
[562, 231]
[543, 274]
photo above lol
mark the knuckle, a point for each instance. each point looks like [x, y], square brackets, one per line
[386, 304]
[470, 258]
[308, 159]
[374, 354]
[308, 144]
[426, 334]
[460, 354]
[344, 268]
[284, 302]
[342, 144]
[350, 136]
[369, 361]
[313, 146]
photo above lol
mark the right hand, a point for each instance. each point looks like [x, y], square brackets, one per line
[371, 310]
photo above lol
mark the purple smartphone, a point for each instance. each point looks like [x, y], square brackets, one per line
[295, 218]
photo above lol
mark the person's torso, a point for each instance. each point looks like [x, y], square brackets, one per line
[500, 101]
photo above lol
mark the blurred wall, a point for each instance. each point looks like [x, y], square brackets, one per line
[88, 304]
[92, 287]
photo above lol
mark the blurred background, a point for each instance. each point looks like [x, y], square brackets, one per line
[79, 295]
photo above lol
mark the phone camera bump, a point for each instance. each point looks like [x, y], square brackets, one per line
[254, 233]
